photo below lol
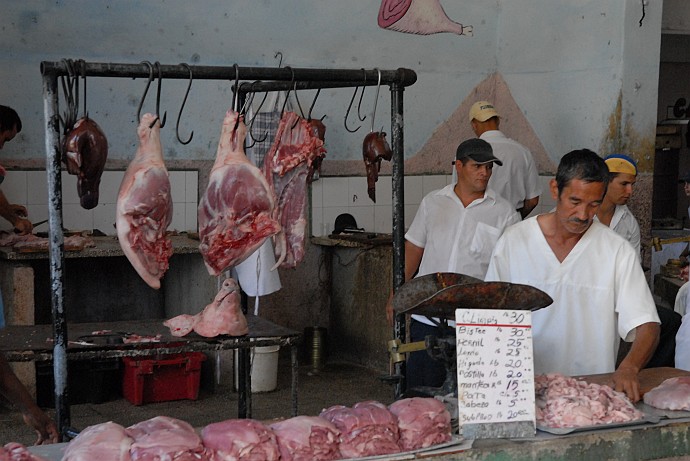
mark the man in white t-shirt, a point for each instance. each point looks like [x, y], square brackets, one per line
[518, 179]
[455, 230]
[593, 275]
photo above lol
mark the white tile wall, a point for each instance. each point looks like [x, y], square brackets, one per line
[333, 196]
[30, 188]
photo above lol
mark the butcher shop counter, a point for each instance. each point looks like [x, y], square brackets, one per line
[25, 343]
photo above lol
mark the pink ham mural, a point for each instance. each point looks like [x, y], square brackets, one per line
[422, 17]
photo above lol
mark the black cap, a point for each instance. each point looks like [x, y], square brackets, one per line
[685, 177]
[478, 150]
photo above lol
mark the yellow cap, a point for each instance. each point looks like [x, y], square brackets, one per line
[482, 111]
[619, 163]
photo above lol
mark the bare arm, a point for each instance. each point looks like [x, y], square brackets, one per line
[15, 392]
[15, 214]
[528, 206]
[625, 378]
[413, 257]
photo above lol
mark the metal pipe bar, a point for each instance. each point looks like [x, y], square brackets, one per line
[397, 180]
[55, 247]
[266, 86]
[346, 77]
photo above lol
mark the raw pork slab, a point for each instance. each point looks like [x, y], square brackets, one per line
[672, 394]
[144, 206]
[236, 212]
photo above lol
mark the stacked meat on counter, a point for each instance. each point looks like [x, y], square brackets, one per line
[368, 428]
[568, 402]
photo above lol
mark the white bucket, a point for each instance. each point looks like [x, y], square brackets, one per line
[264, 368]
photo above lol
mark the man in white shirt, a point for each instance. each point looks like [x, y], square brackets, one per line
[518, 179]
[613, 211]
[455, 230]
[593, 275]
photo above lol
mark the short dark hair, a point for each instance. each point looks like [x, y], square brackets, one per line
[9, 118]
[582, 164]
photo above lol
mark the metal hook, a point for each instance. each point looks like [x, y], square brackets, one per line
[82, 71]
[349, 107]
[256, 112]
[146, 90]
[278, 53]
[361, 96]
[313, 103]
[376, 100]
[237, 88]
[298, 105]
[158, 95]
[177, 125]
[287, 95]
[70, 87]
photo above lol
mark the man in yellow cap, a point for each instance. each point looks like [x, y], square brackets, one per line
[518, 179]
[613, 211]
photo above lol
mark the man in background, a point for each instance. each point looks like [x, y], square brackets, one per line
[10, 386]
[518, 179]
[454, 230]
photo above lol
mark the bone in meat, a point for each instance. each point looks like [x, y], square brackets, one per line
[423, 17]
[306, 438]
[85, 150]
[236, 212]
[144, 206]
[423, 422]
[236, 439]
[222, 316]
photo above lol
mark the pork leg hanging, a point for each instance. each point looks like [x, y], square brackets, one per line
[144, 206]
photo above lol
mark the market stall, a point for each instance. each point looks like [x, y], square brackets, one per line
[271, 79]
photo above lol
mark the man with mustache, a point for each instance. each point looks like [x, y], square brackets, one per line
[593, 275]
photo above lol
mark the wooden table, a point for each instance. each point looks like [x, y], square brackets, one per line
[24, 343]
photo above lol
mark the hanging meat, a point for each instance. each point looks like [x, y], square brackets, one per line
[222, 316]
[84, 152]
[236, 213]
[375, 148]
[318, 129]
[144, 206]
[288, 162]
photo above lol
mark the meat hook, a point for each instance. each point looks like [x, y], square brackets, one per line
[70, 88]
[376, 100]
[158, 95]
[279, 53]
[287, 94]
[359, 104]
[82, 71]
[349, 107]
[256, 112]
[298, 105]
[177, 125]
[146, 90]
[312, 106]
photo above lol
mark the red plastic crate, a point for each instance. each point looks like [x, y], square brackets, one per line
[173, 377]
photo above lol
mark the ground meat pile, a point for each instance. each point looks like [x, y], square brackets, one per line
[566, 402]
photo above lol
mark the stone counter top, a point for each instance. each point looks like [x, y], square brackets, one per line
[106, 247]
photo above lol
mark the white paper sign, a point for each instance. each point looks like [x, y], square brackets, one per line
[495, 366]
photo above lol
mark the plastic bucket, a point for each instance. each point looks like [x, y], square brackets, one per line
[264, 368]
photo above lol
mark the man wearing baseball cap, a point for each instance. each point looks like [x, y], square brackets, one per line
[518, 179]
[455, 230]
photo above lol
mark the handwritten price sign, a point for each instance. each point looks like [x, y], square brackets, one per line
[495, 370]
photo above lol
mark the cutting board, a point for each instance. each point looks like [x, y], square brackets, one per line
[649, 377]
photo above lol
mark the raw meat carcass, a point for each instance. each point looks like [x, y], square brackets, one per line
[240, 439]
[318, 129]
[423, 422]
[366, 429]
[306, 438]
[84, 151]
[222, 317]
[164, 438]
[567, 402]
[14, 451]
[236, 213]
[295, 152]
[144, 206]
[374, 149]
[422, 17]
[101, 442]
[672, 394]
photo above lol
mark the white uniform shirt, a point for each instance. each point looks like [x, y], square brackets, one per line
[682, 358]
[624, 224]
[599, 292]
[517, 179]
[455, 238]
